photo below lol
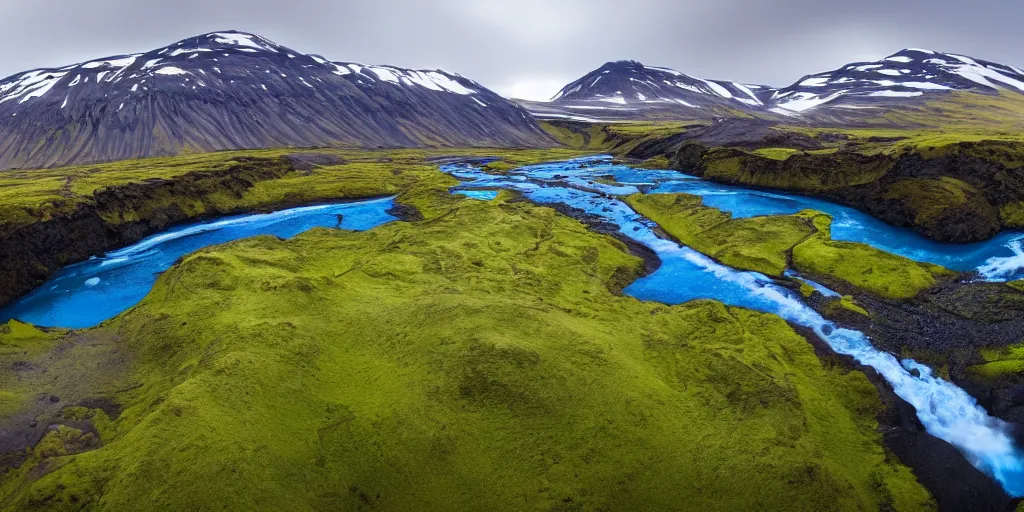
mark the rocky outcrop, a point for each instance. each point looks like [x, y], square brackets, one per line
[963, 192]
[121, 215]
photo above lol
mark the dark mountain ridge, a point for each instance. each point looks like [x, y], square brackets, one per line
[234, 90]
[626, 90]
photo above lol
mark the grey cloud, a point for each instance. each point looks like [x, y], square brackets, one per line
[531, 47]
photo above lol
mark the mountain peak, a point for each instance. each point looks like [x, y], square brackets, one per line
[629, 82]
[231, 89]
[622, 65]
[228, 39]
[908, 73]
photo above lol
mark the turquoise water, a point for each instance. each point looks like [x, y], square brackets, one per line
[86, 294]
[592, 185]
[998, 259]
[480, 195]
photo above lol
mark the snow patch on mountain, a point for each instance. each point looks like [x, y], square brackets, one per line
[197, 56]
[910, 73]
[632, 84]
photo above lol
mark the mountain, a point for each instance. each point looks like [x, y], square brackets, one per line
[628, 88]
[630, 82]
[232, 90]
[911, 73]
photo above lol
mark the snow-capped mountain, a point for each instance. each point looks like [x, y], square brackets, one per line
[629, 90]
[630, 82]
[230, 90]
[910, 73]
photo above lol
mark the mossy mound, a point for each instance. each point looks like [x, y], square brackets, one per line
[862, 266]
[944, 208]
[771, 244]
[473, 360]
[1002, 362]
[760, 244]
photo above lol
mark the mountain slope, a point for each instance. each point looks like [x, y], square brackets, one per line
[631, 89]
[229, 90]
[852, 94]
[629, 82]
[907, 74]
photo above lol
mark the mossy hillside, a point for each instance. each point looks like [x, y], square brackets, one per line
[862, 266]
[949, 191]
[999, 363]
[29, 196]
[934, 201]
[622, 138]
[474, 360]
[776, 153]
[792, 170]
[656, 162]
[53, 218]
[760, 244]
[20, 340]
[963, 112]
[845, 303]
[771, 244]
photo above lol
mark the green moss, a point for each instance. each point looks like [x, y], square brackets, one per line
[474, 360]
[1017, 285]
[1000, 362]
[725, 169]
[15, 332]
[10, 402]
[846, 303]
[862, 266]
[806, 290]
[937, 201]
[615, 138]
[499, 166]
[776, 153]
[1012, 215]
[760, 244]
[32, 196]
[767, 244]
[658, 162]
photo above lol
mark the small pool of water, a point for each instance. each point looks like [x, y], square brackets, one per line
[480, 195]
[87, 293]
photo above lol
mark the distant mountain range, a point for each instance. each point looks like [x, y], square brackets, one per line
[235, 90]
[628, 89]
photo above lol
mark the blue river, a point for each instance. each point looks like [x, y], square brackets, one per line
[87, 293]
[594, 184]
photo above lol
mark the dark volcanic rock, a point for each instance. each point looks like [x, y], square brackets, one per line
[232, 90]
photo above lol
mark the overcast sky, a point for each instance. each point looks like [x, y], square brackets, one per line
[530, 48]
